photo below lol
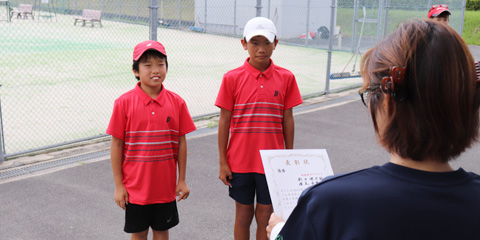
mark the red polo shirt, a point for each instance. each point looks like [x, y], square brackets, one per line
[150, 129]
[257, 101]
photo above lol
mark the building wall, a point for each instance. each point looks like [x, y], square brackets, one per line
[290, 17]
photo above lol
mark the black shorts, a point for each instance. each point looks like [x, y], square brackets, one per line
[159, 217]
[245, 185]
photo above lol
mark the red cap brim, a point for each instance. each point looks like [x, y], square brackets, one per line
[437, 11]
[147, 45]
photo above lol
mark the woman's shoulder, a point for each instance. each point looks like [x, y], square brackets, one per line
[346, 183]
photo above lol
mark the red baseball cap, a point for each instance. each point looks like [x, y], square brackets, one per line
[437, 10]
[147, 45]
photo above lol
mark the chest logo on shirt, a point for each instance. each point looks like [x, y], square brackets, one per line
[168, 119]
[275, 94]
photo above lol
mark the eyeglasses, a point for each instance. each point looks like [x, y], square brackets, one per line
[366, 93]
[439, 5]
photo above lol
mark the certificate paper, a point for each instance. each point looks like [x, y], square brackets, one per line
[289, 172]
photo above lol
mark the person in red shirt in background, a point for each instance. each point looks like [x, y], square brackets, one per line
[256, 102]
[440, 12]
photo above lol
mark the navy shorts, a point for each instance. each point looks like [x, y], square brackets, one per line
[160, 217]
[245, 185]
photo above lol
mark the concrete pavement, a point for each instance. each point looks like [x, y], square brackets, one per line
[77, 202]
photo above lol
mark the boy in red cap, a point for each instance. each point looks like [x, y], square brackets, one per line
[148, 128]
[439, 12]
[256, 102]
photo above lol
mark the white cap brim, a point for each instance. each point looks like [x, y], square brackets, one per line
[261, 32]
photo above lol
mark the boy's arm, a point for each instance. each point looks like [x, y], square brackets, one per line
[182, 189]
[288, 128]
[225, 174]
[116, 152]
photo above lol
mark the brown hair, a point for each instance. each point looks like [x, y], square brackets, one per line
[444, 14]
[438, 114]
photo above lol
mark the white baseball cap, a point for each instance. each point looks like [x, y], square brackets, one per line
[260, 26]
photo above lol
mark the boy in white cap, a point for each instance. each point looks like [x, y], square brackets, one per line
[440, 12]
[148, 128]
[256, 102]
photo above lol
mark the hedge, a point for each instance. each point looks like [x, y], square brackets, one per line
[473, 5]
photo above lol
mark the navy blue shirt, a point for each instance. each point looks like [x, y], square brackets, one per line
[389, 202]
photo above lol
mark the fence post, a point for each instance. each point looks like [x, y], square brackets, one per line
[268, 11]
[136, 11]
[259, 8]
[205, 27]
[464, 6]
[180, 13]
[387, 7]
[2, 143]
[120, 9]
[330, 47]
[354, 24]
[162, 6]
[380, 19]
[153, 19]
[308, 23]
[235, 18]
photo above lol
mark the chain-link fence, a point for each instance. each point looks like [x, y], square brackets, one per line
[59, 80]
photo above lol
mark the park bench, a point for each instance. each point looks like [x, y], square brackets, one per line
[23, 9]
[89, 15]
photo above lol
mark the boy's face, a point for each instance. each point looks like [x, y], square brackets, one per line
[442, 19]
[152, 72]
[260, 50]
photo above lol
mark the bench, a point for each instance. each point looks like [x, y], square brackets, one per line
[23, 9]
[89, 15]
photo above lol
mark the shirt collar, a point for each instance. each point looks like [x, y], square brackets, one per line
[457, 177]
[256, 73]
[147, 99]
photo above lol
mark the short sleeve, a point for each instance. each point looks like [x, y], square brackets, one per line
[225, 97]
[186, 123]
[118, 121]
[293, 96]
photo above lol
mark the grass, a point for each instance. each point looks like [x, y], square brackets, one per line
[471, 27]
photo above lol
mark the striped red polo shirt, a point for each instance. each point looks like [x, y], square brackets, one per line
[150, 129]
[257, 101]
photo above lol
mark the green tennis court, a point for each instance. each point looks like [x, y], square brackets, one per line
[59, 81]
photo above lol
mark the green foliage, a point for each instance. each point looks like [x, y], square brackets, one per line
[473, 5]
